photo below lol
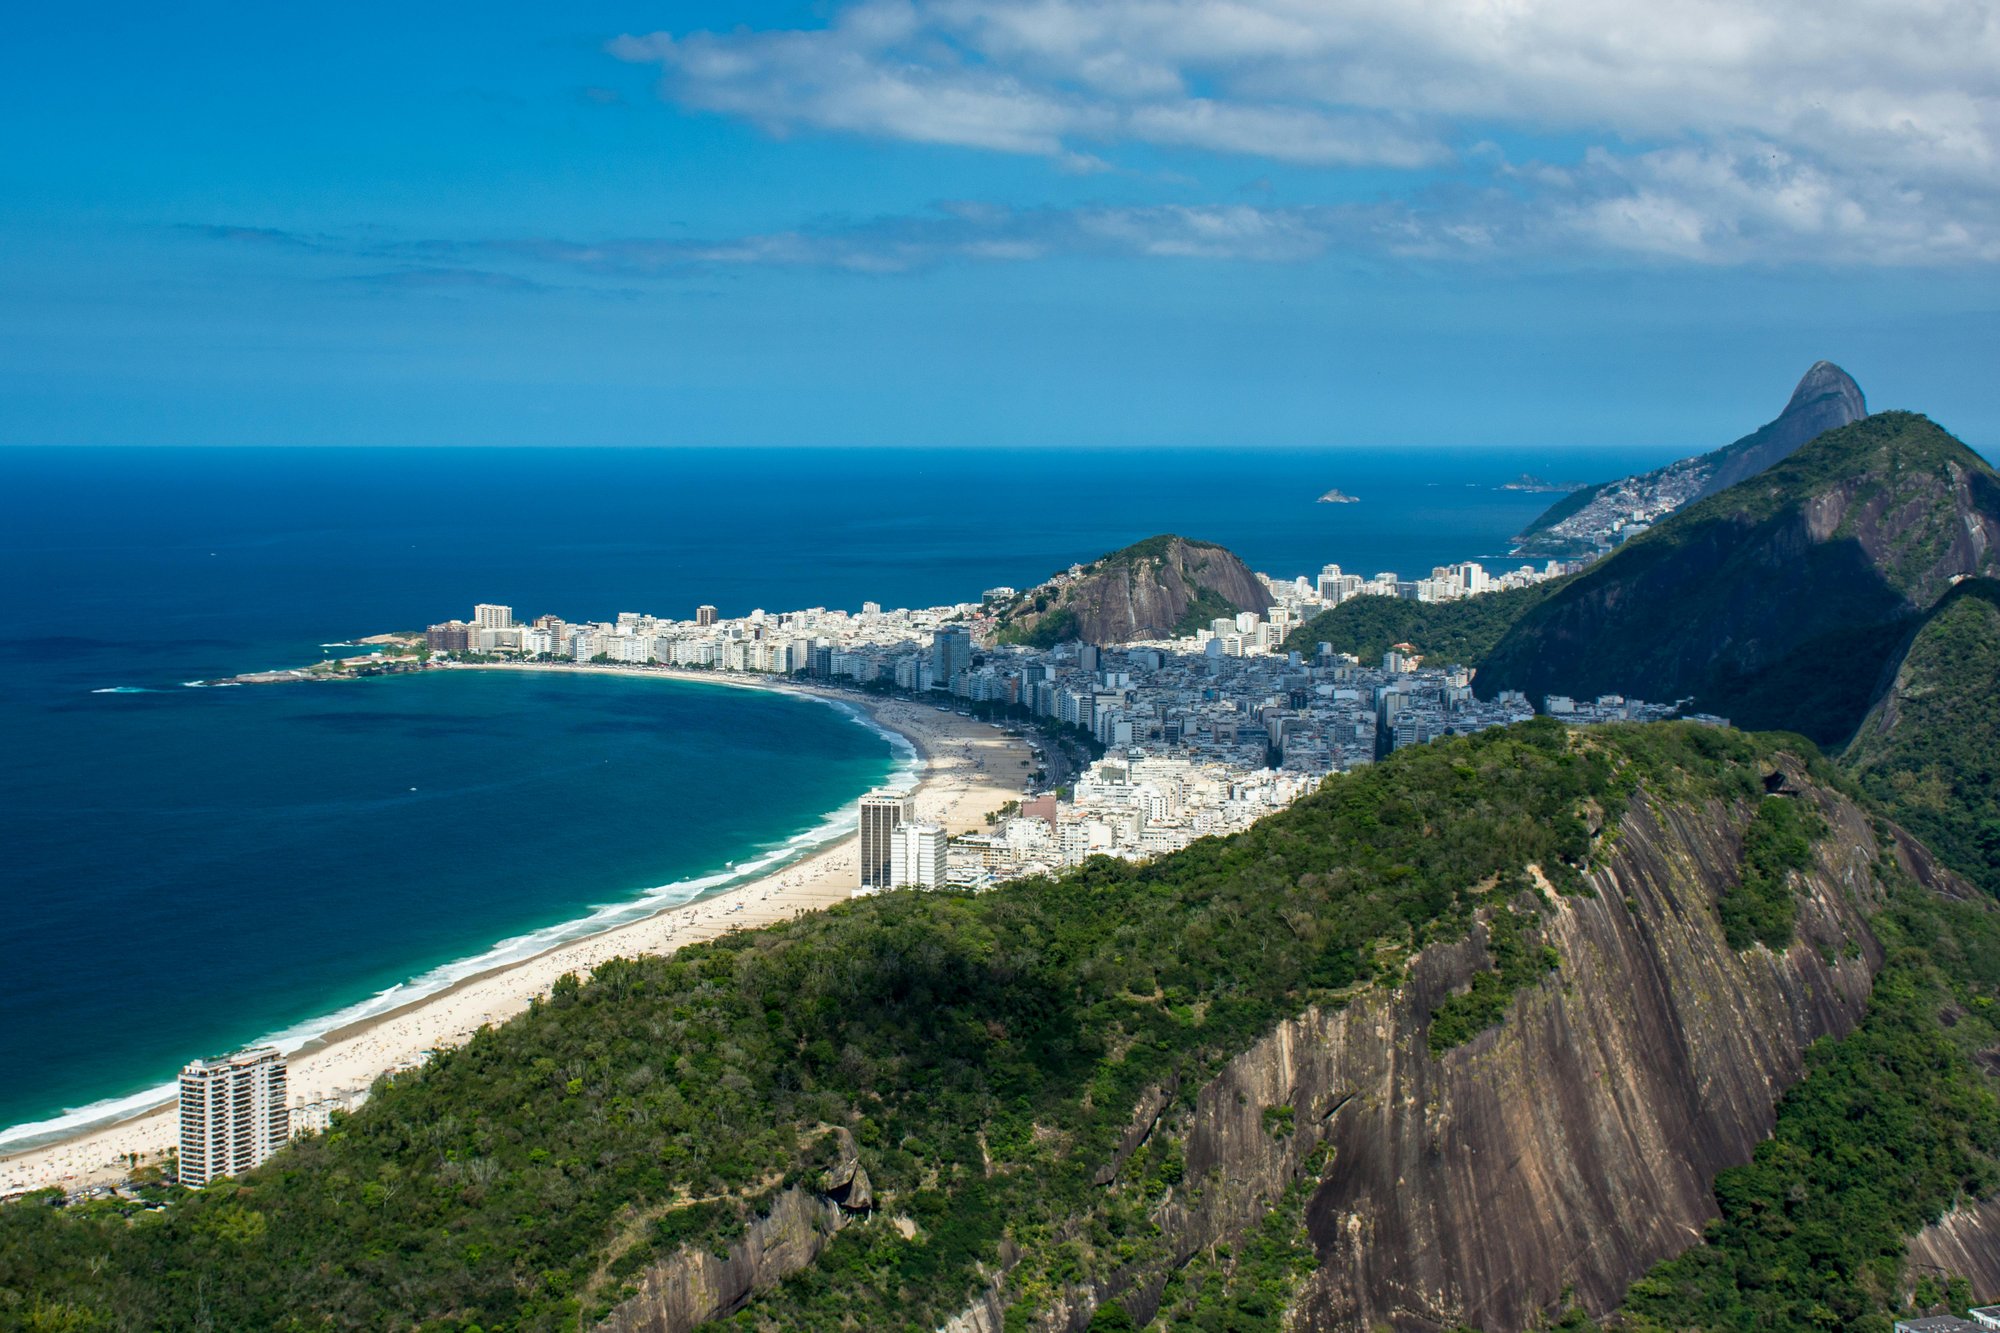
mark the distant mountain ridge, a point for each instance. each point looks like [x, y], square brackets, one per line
[1781, 601]
[1826, 398]
[1153, 589]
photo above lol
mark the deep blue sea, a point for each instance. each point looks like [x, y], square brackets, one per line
[186, 870]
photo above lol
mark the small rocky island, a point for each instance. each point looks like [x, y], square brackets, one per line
[1336, 496]
[1528, 481]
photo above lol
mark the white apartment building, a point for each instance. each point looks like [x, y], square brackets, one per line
[488, 615]
[233, 1114]
[917, 857]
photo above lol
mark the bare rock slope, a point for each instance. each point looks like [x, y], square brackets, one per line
[1152, 589]
[1567, 1150]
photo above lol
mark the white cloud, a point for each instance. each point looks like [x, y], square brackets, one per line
[978, 232]
[1854, 130]
[1755, 202]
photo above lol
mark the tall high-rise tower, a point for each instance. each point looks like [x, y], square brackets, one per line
[704, 614]
[488, 615]
[951, 653]
[882, 813]
[233, 1114]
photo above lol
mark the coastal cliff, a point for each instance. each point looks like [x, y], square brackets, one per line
[1153, 589]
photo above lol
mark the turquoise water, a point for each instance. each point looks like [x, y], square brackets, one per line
[184, 870]
[281, 859]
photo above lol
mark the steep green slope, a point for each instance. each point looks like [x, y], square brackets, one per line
[1892, 1126]
[1930, 748]
[1460, 631]
[1780, 601]
[985, 1051]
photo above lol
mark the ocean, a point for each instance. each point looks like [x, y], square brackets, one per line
[185, 870]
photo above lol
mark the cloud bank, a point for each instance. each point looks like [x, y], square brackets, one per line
[1842, 131]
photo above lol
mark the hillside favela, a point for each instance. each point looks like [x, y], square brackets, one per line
[1002, 667]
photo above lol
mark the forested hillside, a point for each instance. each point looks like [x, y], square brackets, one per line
[950, 1078]
[1930, 748]
[1780, 602]
[1461, 631]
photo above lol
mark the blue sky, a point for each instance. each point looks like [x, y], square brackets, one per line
[993, 222]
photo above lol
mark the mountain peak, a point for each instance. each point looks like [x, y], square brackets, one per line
[1826, 398]
[1825, 380]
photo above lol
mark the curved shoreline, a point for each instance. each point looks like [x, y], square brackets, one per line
[953, 786]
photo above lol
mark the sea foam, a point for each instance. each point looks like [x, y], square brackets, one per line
[515, 949]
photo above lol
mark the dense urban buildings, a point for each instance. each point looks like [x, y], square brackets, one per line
[1198, 735]
[233, 1114]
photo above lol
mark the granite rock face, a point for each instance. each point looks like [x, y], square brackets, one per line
[695, 1286]
[1826, 398]
[1570, 1148]
[1576, 1145]
[1145, 591]
[1963, 1243]
[846, 1182]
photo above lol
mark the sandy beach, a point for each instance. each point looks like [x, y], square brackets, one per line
[969, 770]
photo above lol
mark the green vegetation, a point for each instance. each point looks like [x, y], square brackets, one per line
[1891, 1127]
[1518, 962]
[1894, 456]
[1206, 605]
[1153, 548]
[1046, 631]
[985, 1051]
[1463, 631]
[1741, 603]
[1930, 751]
[1761, 906]
[1248, 1286]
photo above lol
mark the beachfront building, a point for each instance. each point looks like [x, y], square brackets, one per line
[917, 857]
[233, 1114]
[451, 636]
[490, 615]
[882, 813]
[951, 653]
